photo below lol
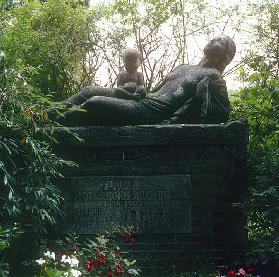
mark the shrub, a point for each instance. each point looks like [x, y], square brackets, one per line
[259, 103]
[6, 236]
[28, 168]
[100, 256]
[49, 40]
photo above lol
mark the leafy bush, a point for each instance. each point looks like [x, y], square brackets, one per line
[27, 165]
[96, 257]
[6, 236]
[259, 103]
[49, 40]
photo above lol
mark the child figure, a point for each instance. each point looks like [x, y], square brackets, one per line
[130, 83]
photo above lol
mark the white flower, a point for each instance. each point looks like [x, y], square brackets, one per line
[66, 274]
[40, 261]
[71, 261]
[50, 255]
[66, 259]
[74, 261]
[75, 273]
[2, 55]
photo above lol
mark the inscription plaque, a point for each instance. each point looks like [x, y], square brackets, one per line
[152, 204]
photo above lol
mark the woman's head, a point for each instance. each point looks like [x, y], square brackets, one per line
[131, 59]
[220, 51]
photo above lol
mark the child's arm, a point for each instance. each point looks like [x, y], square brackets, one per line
[140, 89]
[122, 93]
[120, 79]
[140, 81]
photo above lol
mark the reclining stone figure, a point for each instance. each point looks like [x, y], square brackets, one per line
[189, 94]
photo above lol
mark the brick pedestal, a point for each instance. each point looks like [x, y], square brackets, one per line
[175, 183]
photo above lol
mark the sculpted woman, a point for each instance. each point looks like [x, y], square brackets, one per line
[189, 94]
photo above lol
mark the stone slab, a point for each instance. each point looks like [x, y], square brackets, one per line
[152, 204]
[232, 133]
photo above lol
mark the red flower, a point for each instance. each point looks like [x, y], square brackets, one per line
[250, 269]
[90, 264]
[127, 237]
[101, 260]
[118, 270]
[231, 272]
[109, 273]
[242, 272]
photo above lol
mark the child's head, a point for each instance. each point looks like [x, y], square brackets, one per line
[131, 59]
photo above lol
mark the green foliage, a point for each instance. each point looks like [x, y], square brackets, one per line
[266, 36]
[73, 46]
[48, 40]
[6, 236]
[259, 103]
[28, 168]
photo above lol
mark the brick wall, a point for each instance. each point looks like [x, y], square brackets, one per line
[213, 155]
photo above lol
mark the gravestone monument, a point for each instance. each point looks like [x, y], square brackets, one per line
[175, 181]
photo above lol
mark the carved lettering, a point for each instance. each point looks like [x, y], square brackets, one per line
[149, 203]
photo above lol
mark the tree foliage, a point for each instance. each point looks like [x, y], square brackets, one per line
[258, 101]
[28, 168]
[49, 40]
[73, 46]
[167, 33]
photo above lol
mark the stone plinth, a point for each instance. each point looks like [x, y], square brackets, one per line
[175, 183]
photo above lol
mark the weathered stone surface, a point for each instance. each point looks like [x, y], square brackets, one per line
[213, 157]
[176, 134]
[188, 94]
[152, 204]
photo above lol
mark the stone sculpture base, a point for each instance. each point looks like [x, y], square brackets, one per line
[175, 183]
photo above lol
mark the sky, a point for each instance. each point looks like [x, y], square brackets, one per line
[238, 37]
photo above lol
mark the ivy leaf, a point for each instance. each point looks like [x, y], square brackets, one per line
[5, 180]
[10, 197]
[133, 272]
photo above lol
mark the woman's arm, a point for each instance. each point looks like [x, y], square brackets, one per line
[215, 106]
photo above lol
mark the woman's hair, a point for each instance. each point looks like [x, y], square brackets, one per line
[131, 53]
[222, 47]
